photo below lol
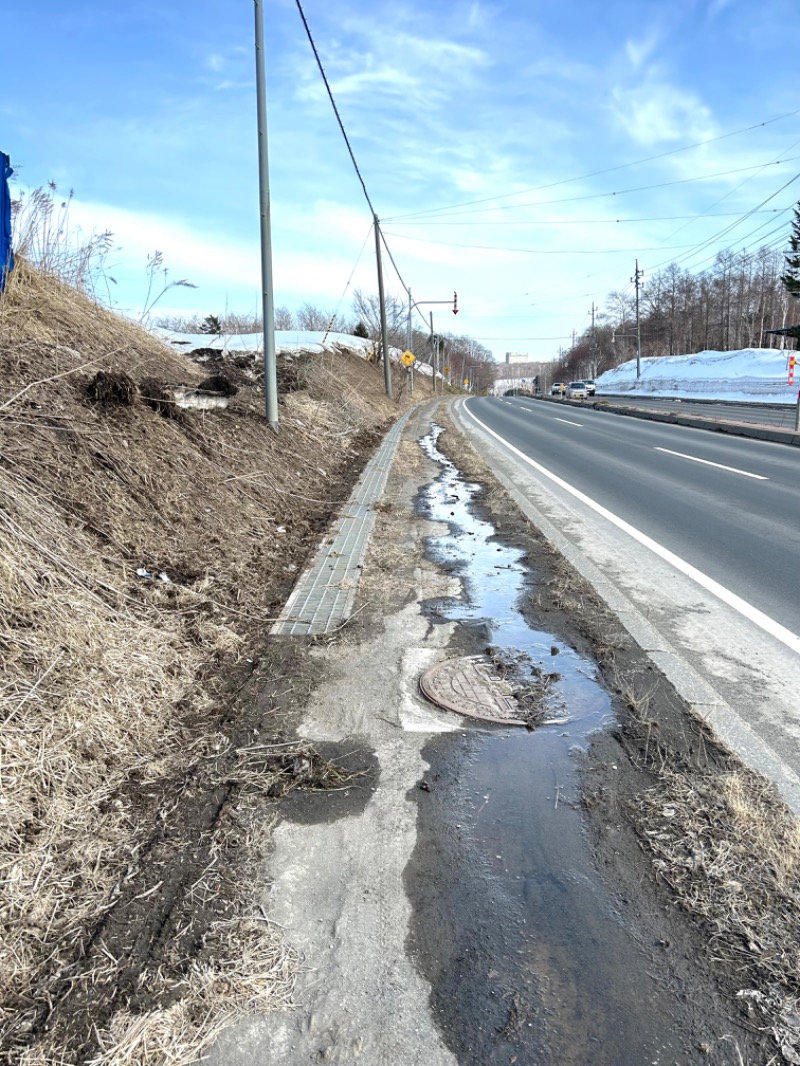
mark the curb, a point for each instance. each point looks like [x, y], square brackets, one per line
[734, 429]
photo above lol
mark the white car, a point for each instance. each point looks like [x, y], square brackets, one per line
[577, 390]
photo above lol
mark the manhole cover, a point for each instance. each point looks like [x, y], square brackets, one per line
[471, 686]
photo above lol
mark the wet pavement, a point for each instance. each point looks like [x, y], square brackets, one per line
[531, 956]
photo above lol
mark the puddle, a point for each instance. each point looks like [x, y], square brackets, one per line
[494, 581]
[528, 952]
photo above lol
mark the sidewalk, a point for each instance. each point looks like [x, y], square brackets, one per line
[336, 884]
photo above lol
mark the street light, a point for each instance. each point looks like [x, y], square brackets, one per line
[417, 304]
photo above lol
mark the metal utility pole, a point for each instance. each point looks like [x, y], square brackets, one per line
[387, 369]
[268, 298]
[408, 323]
[433, 352]
[636, 279]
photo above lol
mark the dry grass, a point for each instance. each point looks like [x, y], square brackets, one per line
[253, 974]
[107, 668]
[730, 850]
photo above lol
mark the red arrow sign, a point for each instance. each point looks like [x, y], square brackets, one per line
[455, 303]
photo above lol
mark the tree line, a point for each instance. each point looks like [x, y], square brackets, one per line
[727, 307]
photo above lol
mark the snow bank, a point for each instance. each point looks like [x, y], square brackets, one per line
[287, 340]
[751, 374]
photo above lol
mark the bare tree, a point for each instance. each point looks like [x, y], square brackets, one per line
[312, 318]
[284, 318]
[368, 310]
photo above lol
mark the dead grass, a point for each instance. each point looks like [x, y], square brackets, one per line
[730, 851]
[138, 554]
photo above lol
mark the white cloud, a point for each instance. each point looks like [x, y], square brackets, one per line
[655, 112]
[639, 51]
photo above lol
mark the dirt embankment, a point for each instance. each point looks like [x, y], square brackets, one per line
[143, 551]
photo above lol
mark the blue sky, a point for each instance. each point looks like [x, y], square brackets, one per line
[481, 130]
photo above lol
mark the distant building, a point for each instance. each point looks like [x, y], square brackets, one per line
[517, 357]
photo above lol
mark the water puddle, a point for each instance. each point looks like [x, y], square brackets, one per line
[531, 958]
[493, 577]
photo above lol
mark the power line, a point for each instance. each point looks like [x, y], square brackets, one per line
[589, 221]
[623, 192]
[537, 251]
[598, 173]
[727, 229]
[333, 105]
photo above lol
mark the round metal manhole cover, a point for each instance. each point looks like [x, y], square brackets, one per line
[471, 686]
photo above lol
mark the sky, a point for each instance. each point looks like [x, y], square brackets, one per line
[523, 154]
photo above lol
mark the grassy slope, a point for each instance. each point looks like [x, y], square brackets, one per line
[109, 678]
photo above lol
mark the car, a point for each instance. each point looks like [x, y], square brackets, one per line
[557, 388]
[576, 390]
[590, 387]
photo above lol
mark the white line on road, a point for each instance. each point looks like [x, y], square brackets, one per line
[719, 466]
[567, 421]
[747, 610]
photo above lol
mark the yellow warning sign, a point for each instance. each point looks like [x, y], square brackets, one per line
[407, 358]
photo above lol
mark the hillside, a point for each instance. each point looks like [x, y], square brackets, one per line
[143, 551]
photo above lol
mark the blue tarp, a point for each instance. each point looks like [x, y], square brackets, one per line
[6, 253]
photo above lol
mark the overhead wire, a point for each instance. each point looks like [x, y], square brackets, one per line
[348, 144]
[692, 250]
[333, 105]
[622, 192]
[349, 280]
[608, 170]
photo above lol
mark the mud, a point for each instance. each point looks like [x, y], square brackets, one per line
[537, 918]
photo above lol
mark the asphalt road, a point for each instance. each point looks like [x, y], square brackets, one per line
[738, 520]
[691, 537]
[782, 415]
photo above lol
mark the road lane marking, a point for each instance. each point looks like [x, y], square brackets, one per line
[719, 466]
[567, 421]
[747, 610]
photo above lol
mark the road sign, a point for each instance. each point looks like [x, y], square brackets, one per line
[466, 382]
[407, 358]
[791, 369]
[445, 369]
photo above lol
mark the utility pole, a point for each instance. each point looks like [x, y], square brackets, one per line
[408, 323]
[387, 368]
[267, 287]
[433, 351]
[593, 356]
[434, 339]
[636, 279]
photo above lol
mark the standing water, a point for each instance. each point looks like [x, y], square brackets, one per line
[531, 957]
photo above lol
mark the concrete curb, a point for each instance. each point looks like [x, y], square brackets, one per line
[734, 429]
